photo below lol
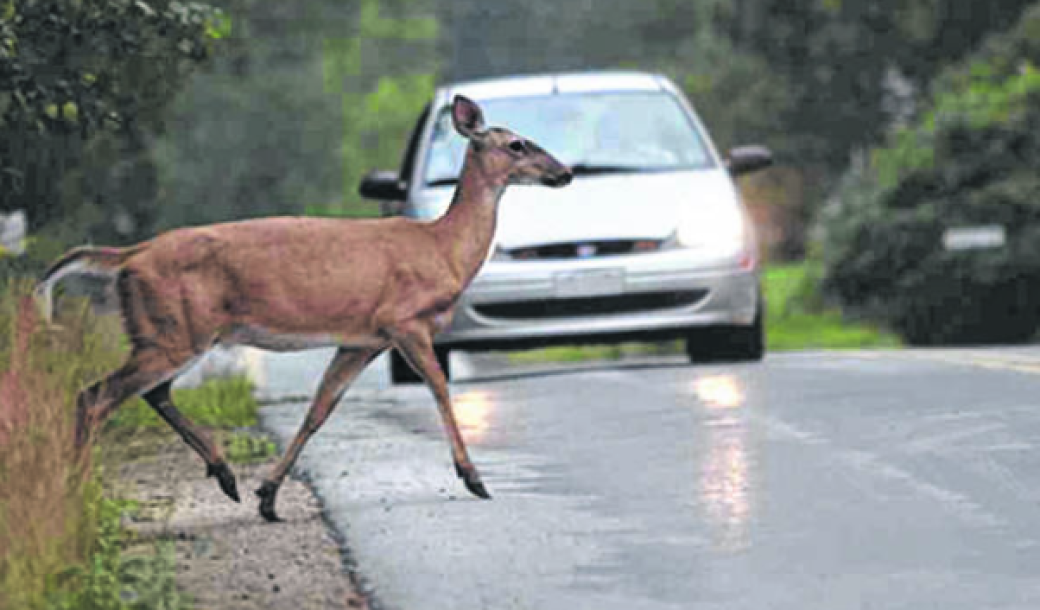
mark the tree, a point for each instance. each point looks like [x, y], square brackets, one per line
[256, 131]
[968, 160]
[303, 100]
[75, 73]
[853, 68]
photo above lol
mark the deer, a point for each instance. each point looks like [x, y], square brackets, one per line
[362, 286]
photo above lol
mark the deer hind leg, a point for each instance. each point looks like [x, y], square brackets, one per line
[344, 368]
[417, 349]
[160, 400]
[94, 405]
[162, 346]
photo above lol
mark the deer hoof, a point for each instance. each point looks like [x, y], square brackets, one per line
[477, 489]
[226, 479]
[471, 478]
[267, 493]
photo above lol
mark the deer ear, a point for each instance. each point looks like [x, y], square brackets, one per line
[468, 118]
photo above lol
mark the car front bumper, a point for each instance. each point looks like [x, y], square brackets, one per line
[513, 304]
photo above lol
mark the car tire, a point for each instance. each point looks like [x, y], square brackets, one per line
[728, 343]
[401, 373]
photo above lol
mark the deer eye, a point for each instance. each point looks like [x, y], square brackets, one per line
[518, 146]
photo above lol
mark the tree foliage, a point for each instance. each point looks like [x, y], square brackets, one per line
[305, 97]
[71, 71]
[255, 132]
[970, 159]
[386, 71]
[851, 68]
[302, 100]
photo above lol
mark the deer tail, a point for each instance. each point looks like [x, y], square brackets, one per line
[83, 260]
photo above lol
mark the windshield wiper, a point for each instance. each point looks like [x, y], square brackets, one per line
[590, 169]
[579, 169]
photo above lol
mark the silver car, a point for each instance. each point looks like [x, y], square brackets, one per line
[650, 241]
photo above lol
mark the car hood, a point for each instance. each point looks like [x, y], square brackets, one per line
[614, 206]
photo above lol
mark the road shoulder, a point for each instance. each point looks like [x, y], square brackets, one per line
[226, 556]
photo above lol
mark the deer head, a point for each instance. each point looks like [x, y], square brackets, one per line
[504, 153]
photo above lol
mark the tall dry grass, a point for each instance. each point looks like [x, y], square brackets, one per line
[50, 502]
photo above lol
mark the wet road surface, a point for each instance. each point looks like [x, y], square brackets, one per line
[814, 480]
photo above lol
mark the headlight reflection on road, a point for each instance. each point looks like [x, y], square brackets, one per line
[473, 414]
[719, 391]
[724, 482]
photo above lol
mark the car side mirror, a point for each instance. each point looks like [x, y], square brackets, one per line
[383, 186]
[746, 159]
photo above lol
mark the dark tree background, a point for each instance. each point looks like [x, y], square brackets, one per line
[109, 134]
[79, 79]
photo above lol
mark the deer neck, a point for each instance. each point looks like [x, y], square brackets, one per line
[467, 229]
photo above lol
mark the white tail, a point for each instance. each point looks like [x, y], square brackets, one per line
[85, 260]
[290, 283]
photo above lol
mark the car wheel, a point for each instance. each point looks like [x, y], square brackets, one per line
[727, 343]
[402, 373]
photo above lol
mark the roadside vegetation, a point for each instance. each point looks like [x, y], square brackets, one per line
[797, 317]
[61, 538]
[59, 535]
[968, 161]
[225, 407]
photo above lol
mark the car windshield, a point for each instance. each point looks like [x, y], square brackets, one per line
[591, 132]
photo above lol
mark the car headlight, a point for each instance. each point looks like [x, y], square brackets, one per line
[726, 231]
[720, 227]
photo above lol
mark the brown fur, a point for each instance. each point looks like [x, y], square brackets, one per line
[363, 285]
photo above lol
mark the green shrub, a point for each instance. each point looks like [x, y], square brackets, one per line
[113, 580]
[219, 403]
[971, 159]
[242, 447]
[797, 317]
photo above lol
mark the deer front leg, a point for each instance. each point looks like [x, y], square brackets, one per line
[345, 366]
[159, 399]
[417, 348]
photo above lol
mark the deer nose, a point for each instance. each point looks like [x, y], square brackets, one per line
[564, 179]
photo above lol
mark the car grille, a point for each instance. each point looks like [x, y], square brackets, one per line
[590, 306]
[585, 249]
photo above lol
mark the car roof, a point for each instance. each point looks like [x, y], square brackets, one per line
[548, 84]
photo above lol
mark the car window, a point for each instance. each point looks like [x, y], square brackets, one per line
[630, 131]
[408, 162]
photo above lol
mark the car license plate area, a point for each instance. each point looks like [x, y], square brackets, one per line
[589, 283]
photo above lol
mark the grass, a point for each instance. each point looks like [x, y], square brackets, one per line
[61, 540]
[51, 512]
[220, 403]
[580, 353]
[225, 406]
[244, 447]
[796, 319]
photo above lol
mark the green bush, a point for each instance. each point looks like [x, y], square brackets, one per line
[218, 403]
[797, 317]
[112, 579]
[970, 159]
[244, 448]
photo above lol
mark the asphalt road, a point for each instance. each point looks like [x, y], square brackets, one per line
[814, 480]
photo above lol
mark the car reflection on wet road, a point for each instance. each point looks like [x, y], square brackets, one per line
[863, 480]
[725, 490]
